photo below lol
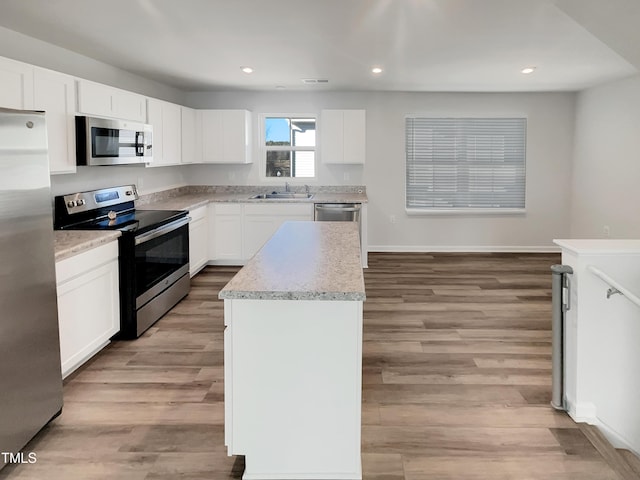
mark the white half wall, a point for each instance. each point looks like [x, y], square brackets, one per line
[549, 154]
[607, 161]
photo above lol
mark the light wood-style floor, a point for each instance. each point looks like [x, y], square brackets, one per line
[456, 373]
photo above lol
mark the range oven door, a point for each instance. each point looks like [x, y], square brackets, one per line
[161, 258]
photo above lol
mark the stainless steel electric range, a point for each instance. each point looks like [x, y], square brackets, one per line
[153, 250]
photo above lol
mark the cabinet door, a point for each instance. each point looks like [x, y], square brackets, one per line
[198, 233]
[154, 117]
[191, 147]
[343, 136]
[235, 136]
[94, 99]
[16, 85]
[172, 133]
[88, 304]
[257, 230]
[262, 221]
[331, 136]
[354, 136]
[212, 136]
[55, 94]
[225, 136]
[129, 106]
[166, 119]
[105, 101]
[227, 232]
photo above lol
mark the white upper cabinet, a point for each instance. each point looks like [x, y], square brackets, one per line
[191, 146]
[343, 136]
[54, 93]
[225, 136]
[16, 84]
[105, 101]
[166, 119]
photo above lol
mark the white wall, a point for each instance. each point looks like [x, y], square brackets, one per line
[35, 52]
[549, 153]
[607, 161]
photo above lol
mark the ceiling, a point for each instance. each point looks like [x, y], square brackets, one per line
[422, 45]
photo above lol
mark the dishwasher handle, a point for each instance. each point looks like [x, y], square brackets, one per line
[341, 209]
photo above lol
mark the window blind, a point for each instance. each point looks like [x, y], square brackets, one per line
[465, 163]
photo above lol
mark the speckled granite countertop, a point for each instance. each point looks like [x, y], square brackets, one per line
[71, 242]
[190, 198]
[303, 261]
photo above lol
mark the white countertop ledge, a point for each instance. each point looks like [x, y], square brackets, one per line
[303, 261]
[600, 246]
[627, 283]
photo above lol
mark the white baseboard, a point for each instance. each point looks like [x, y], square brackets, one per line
[615, 438]
[586, 413]
[463, 249]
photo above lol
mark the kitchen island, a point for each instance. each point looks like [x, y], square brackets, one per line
[293, 355]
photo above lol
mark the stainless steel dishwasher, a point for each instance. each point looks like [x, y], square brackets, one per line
[339, 212]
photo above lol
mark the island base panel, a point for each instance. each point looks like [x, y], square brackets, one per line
[293, 372]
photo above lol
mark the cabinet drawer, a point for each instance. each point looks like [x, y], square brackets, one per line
[198, 213]
[228, 209]
[289, 209]
[78, 264]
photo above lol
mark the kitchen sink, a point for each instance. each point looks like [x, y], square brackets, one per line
[276, 195]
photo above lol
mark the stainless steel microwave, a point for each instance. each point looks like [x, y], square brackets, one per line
[107, 141]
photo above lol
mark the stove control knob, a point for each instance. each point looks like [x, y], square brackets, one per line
[128, 193]
[71, 203]
[80, 202]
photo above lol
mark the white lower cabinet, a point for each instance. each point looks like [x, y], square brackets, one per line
[262, 221]
[198, 239]
[225, 232]
[88, 304]
[238, 230]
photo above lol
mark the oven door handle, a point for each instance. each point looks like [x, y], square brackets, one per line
[164, 229]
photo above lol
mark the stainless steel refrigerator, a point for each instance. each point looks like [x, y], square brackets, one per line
[30, 378]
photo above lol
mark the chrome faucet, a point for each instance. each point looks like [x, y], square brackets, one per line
[306, 189]
[286, 186]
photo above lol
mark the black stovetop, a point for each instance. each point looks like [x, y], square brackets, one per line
[135, 221]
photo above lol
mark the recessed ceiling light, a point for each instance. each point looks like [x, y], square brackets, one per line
[528, 70]
[376, 70]
[246, 69]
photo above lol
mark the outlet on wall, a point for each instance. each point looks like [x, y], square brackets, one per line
[140, 184]
[346, 176]
[392, 218]
[606, 230]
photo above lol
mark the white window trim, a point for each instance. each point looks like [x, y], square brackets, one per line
[263, 149]
[472, 212]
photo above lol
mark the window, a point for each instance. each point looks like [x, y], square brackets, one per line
[465, 164]
[290, 145]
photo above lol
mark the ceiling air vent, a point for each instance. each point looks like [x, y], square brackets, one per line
[314, 81]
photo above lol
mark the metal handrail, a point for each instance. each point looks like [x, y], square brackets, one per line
[614, 287]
